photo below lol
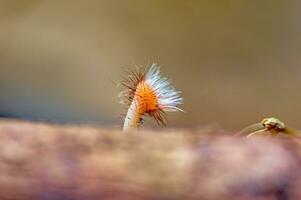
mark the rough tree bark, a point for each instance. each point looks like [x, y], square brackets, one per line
[51, 162]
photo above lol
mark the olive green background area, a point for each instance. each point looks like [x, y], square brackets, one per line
[235, 61]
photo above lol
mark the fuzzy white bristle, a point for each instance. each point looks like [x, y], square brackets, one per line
[167, 96]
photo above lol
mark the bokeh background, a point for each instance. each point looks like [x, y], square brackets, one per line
[235, 61]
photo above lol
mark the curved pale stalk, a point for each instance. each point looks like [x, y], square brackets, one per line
[133, 117]
[253, 128]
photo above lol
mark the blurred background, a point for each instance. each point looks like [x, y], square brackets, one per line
[235, 61]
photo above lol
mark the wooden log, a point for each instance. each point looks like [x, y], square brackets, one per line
[52, 162]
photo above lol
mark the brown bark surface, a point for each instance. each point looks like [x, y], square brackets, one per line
[51, 162]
